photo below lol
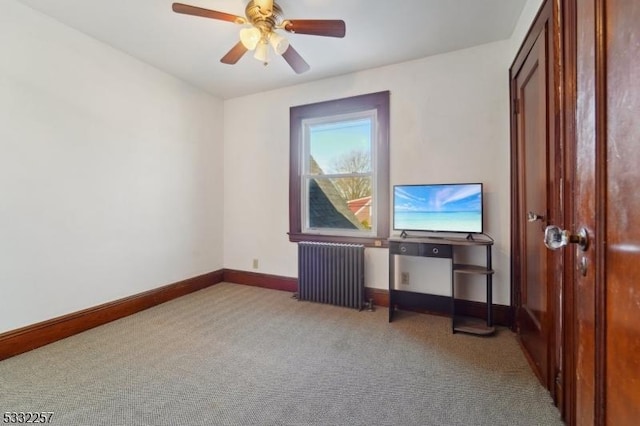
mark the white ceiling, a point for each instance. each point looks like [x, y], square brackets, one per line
[379, 32]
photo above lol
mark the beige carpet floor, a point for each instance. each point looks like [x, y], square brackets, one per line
[241, 355]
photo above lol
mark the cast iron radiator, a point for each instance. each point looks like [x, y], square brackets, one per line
[331, 273]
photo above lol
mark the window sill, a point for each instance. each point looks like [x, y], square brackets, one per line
[375, 242]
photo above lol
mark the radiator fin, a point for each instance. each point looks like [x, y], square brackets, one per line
[331, 273]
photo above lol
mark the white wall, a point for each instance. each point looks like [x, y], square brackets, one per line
[524, 23]
[110, 173]
[449, 123]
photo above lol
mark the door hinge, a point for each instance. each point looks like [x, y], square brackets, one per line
[516, 106]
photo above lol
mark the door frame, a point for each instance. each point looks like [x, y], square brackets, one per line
[568, 24]
[569, 20]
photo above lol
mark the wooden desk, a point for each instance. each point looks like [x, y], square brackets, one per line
[444, 248]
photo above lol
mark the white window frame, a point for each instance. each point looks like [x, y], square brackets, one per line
[306, 176]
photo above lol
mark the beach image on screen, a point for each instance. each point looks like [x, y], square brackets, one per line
[453, 208]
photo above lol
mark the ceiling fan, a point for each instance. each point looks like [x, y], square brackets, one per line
[264, 18]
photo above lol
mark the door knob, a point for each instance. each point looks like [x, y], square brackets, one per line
[532, 217]
[554, 238]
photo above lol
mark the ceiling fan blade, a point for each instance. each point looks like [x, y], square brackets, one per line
[234, 54]
[294, 59]
[320, 27]
[206, 13]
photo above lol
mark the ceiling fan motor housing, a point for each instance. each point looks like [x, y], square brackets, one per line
[262, 20]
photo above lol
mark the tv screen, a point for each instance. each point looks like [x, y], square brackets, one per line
[454, 207]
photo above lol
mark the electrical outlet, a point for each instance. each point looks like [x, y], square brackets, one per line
[404, 278]
[255, 263]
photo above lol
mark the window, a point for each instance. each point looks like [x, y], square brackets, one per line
[339, 170]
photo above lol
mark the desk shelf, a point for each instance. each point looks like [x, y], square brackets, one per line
[472, 326]
[460, 268]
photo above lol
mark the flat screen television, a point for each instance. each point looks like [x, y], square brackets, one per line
[449, 207]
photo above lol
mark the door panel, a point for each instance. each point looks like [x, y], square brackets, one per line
[532, 314]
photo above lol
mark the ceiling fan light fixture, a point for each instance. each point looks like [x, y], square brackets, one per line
[279, 43]
[250, 37]
[262, 52]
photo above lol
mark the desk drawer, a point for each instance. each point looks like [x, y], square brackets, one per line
[435, 250]
[420, 249]
[407, 249]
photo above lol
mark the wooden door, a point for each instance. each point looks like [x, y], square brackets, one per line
[534, 188]
[593, 167]
[532, 313]
[604, 67]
